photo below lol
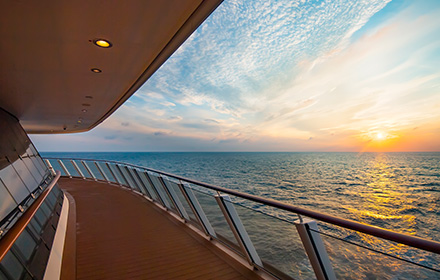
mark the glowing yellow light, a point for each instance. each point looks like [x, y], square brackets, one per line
[380, 136]
[102, 43]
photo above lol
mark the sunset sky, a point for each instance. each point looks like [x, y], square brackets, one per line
[288, 76]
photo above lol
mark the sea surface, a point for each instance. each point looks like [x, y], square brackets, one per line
[397, 191]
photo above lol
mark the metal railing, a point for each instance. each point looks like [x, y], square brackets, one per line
[11, 236]
[246, 230]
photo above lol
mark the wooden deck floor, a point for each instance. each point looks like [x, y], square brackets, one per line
[120, 235]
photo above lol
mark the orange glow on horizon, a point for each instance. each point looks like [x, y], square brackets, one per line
[406, 140]
[378, 141]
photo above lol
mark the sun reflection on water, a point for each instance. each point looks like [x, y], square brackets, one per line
[382, 202]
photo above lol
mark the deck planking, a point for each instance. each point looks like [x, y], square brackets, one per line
[121, 235]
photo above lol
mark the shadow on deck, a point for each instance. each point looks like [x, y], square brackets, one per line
[121, 235]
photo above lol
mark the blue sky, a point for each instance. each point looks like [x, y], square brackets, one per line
[288, 76]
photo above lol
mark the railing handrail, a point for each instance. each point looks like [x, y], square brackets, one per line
[13, 233]
[413, 241]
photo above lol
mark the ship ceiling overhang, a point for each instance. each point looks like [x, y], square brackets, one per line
[47, 55]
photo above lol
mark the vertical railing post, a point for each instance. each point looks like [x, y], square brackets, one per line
[77, 169]
[238, 229]
[197, 210]
[89, 170]
[312, 242]
[50, 167]
[60, 162]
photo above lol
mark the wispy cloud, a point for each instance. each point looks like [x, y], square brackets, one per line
[292, 75]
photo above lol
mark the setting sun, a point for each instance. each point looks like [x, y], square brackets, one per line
[380, 136]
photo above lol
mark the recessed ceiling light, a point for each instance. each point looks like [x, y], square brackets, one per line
[84, 110]
[96, 70]
[102, 43]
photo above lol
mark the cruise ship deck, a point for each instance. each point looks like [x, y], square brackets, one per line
[121, 235]
[66, 67]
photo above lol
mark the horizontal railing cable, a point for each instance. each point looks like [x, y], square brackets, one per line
[375, 250]
[413, 241]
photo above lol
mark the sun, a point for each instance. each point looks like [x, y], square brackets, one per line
[379, 140]
[380, 136]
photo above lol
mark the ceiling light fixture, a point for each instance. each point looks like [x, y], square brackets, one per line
[96, 70]
[84, 110]
[102, 43]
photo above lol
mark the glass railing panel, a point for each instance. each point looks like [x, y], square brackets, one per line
[91, 165]
[69, 166]
[173, 185]
[139, 183]
[25, 175]
[25, 244]
[57, 166]
[135, 178]
[45, 209]
[83, 169]
[38, 163]
[51, 200]
[7, 202]
[57, 191]
[12, 267]
[359, 256]
[277, 243]
[33, 164]
[35, 227]
[40, 217]
[117, 174]
[33, 169]
[145, 179]
[13, 183]
[158, 186]
[216, 218]
[106, 170]
[128, 178]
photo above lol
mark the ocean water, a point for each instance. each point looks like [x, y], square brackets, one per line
[397, 191]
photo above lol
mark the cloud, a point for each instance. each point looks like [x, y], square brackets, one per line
[168, 104]
[227, 63]
[110, 137]
[274, 75]
[211, 121]
[153, 95]
[175, 118]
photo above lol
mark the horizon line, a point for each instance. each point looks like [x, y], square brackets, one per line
[239, 152]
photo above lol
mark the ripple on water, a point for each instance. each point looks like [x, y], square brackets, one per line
[399, 191]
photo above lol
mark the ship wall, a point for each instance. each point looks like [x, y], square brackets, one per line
[23, 178]
[21, 167]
